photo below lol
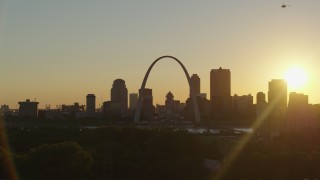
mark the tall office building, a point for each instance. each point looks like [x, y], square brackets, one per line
[277, 95]
[220, 91]
[299, 115]
[119, 95]
[262, 116]
[147, 97]
[277, 102]
[195, 80]
[91, 104]
[133, 97]
[148, 110]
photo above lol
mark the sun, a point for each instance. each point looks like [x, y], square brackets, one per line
[296, 78]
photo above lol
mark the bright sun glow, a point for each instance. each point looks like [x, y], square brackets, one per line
[296, 78]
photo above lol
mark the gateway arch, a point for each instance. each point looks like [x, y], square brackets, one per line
[192, 93]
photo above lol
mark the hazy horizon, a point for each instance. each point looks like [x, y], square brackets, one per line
[60, 51]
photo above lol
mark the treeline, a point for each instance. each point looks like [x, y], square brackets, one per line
[287, 156]
[134, 153]
[285, 165]
[110, 153]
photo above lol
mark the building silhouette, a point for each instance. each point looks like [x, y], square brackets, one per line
[172, 108]
[261, 98]
[4, 109]
[204, 107]
[90, 104]
[262, 116]
[277, 102]
[195, 80]
[243, 105]
[111, 110]
[28, 108]
[220, 92]
[119, 95]
[277, 94]
[76, 107]
[169, 104]
[133, 97]
[73, 111]
[148, 109]
[300, 115]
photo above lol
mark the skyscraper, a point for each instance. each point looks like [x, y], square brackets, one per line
[195, 83]
[148, 109]
[262, 119]
[277, 102]
[299, 114]
[277, 95]
[133, 97]
[119, 94]
[220, 91]
[147, 97]
[91, 104]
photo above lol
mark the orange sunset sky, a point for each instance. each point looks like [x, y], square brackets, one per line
[58, 51]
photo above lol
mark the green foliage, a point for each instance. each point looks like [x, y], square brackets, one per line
[65, 160]
[164, 153]
[287, 156]
[110, 153]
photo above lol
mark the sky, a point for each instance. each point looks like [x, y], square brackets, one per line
[58, 51]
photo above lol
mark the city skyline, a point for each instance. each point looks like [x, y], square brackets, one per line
[128, 96]
[58, 52]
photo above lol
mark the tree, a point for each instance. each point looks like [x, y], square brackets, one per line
[65, 160]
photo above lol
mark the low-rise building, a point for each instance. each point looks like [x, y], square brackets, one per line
[28, 108]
